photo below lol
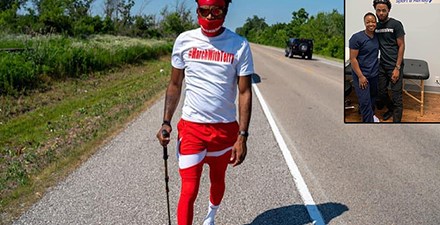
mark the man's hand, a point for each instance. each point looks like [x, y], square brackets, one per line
[395, 76]
[239, 151]
[164, 140]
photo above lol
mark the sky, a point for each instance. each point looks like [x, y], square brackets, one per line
[274, 11]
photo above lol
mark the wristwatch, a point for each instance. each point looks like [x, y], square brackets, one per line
[166, 122]
[397, 67]
[243, 133]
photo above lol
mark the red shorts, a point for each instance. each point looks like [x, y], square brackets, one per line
[199, 140]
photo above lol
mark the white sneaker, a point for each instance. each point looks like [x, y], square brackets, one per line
[376, 120]
[207, 221]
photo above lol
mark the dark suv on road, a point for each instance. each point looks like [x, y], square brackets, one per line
[299, 46]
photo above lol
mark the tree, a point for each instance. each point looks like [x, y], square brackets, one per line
[110, 9]
[124, 8]
[177, 21]
[253, 27]
[11, 4]
[8, 14]
[326, 29]
[119, 12]
[145, 26]
[77, 9]
[299, 18]
[108, 26]
[52, 15]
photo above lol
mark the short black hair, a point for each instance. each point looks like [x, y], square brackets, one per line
[369, 14]
[386, 2]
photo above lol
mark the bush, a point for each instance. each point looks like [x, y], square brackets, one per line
[17, 72]
[58, 58]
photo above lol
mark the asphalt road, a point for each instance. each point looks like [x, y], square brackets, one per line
[382, 173]
[356, 174]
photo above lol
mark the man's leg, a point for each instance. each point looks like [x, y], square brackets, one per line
[381, 88]
[191, 156]
[218, 158]
[383, 96]
[373, 95]
[217, 174]
[396, 90]
[190, 187]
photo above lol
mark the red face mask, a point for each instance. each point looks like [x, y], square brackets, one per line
[211, 27]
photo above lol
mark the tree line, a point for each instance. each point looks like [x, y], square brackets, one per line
[74, 18]
[326, 30]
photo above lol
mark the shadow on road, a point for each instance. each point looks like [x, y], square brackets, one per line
[299, 58]
[297, 214]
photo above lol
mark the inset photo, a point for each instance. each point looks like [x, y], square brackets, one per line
[392, 71]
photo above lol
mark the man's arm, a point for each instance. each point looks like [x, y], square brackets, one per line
[172, 98]
[244, 101]
[401, 44]
[400, 53]
[239, 149]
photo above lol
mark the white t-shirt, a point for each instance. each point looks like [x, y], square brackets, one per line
[212, 66]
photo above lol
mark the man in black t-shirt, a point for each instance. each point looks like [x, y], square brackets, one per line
[391, 37]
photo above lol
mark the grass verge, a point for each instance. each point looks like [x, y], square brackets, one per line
[52, 133]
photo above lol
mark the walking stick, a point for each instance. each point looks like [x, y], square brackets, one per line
[165, 134]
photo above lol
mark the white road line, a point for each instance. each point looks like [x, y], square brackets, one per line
[331, 63]
[312, 209]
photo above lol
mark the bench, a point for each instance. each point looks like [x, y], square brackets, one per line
[414, 69]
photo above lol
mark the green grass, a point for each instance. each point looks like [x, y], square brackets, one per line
[50, 133]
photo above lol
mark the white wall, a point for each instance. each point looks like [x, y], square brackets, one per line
[421, 22]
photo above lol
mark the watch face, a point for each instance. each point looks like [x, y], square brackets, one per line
[244, 133]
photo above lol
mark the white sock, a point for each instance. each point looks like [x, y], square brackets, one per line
[212, 210]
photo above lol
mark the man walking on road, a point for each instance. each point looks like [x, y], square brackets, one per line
[391, 37]
[214, 62]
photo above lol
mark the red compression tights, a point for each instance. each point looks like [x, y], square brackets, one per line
[190, 186]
